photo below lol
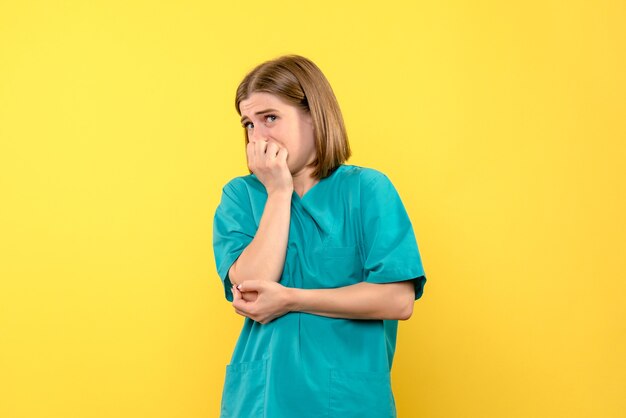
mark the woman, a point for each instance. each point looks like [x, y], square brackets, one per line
[319, 256]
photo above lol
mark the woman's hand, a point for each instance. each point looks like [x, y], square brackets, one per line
[273, 300]
[268, 161]
[249, 296]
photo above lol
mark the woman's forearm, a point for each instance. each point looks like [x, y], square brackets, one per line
[363, 300]
[264, 257]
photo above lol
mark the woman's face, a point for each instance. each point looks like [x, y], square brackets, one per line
[268, 118]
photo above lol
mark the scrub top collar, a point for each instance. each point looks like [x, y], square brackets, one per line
[315, 202]
[316, 207]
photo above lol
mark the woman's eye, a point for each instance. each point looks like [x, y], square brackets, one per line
[245, 125]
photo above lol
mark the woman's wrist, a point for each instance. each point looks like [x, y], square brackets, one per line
[293, 299]
[284, 193]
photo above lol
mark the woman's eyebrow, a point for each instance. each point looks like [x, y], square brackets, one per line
[260, 112]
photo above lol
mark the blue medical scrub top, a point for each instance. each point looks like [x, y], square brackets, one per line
[350, 227]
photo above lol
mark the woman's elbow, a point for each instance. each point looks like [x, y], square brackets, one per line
[232, 275]
[238, 275]
[406, 310]
[406, 299]
[398, 300]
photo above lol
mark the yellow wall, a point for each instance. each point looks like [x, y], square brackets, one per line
[502, 126]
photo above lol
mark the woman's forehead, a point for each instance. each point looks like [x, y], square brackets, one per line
[261, 100]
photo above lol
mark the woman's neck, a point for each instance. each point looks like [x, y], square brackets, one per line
[303, 182]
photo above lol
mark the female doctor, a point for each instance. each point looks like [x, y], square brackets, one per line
[319, 257]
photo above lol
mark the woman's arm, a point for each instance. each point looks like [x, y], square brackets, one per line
[363, 300]
[264, 257]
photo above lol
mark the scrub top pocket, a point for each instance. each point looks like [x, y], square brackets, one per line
[244, 390]
[357, 394]
[340, 266]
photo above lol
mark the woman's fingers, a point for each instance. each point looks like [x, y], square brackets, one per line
[250, 155]
[265, 149]
[237, 297]
[260, 152]
[271, 150]
[267, 159]
[282, 154]
[259, 148]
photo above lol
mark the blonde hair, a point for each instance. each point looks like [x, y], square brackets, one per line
[299, 82]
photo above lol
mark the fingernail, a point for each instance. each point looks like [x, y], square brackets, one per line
[239, 286]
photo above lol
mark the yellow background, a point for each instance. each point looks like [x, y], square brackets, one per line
[502, 126]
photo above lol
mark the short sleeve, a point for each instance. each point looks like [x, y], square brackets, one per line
[233, 229]
[391, 253]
